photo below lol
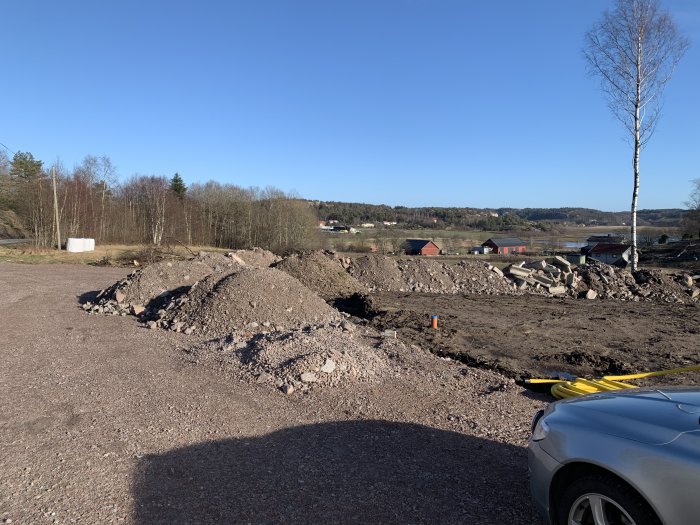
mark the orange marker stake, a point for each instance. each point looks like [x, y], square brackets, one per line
[434, 319]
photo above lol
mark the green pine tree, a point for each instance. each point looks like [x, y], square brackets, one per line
[178, 186]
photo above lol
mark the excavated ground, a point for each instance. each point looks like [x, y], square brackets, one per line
[530, 335]
[292, 411]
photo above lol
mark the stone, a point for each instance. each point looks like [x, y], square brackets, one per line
[497, 271]
[328, 367]
[152, 325]
[347, 326]
[561, 262]
[552, 270]
[557, 290]
[688, 281]
[518, 271]
[535, 265]
[308, 377]
[695, 292]
[591, 294]
[137, 309]
[120, 296]
[544, 281]
[189, 330]
[266, 324]
[263, 377]
[571, 280]
[287, 389]
[520, 284]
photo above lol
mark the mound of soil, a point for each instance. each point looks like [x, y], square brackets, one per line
[153, 285]
[385, 274]
[644, 285]
[252, 299]
[255, 257]
[299, 360]
[321, 273]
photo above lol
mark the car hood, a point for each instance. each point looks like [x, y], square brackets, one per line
[653, 416]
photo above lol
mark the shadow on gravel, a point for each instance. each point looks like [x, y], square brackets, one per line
[88, 297]
[344, 472]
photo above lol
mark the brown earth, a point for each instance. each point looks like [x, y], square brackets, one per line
[531, 335]
[105, 421]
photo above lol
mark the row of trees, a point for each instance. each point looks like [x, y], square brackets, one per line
[91, 202]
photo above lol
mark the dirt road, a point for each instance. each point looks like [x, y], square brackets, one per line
[103, 421]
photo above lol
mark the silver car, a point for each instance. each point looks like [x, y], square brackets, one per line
[622, 457]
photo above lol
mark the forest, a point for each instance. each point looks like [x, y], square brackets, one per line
[90, 201]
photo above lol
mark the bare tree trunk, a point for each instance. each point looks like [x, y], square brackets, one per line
[637, 147]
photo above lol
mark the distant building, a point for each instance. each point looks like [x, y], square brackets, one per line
[478, 250]
[576, 258]
[506, 245]
[421, 247]
[367, 225]
[389, 223]
[608, 238]
[610, 253]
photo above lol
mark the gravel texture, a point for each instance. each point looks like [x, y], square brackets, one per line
[103, 421]
[251, 299]
[418, 274]
[322, 273]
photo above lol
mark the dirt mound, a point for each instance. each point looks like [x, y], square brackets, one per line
[377, 272]
[385, 274]
[157, 282]
[251, 299]
[255, 257]
[321, 273]
[644, 285]
[300, 360]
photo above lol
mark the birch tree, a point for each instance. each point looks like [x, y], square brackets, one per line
[634, 50]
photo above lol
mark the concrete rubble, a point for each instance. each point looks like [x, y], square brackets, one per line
[284, 331]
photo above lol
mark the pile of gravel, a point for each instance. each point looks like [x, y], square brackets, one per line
[255, 257]
[149, 289]
[251, 299]
[300, 360]
[322, 273]
[386, 274]
[153, 286]
[610, 282]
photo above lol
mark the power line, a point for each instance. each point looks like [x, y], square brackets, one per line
[8, 149]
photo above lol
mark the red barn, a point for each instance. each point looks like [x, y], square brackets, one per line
[506, 245]
[421, 247]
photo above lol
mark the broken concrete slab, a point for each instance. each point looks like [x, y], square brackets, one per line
[536, 265]
[518, 271]
[561, 262]
[544, 281]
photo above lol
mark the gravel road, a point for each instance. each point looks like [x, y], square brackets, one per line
[103, 421]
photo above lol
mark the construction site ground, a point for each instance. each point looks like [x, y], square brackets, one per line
[105, 421]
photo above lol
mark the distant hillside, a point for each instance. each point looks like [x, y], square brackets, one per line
[488, 219]
[10, 226]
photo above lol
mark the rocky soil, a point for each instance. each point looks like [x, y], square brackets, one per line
[251, 300]
[323, 273]
[104, 421]
[252, 400]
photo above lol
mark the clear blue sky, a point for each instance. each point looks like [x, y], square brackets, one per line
[411, 102]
